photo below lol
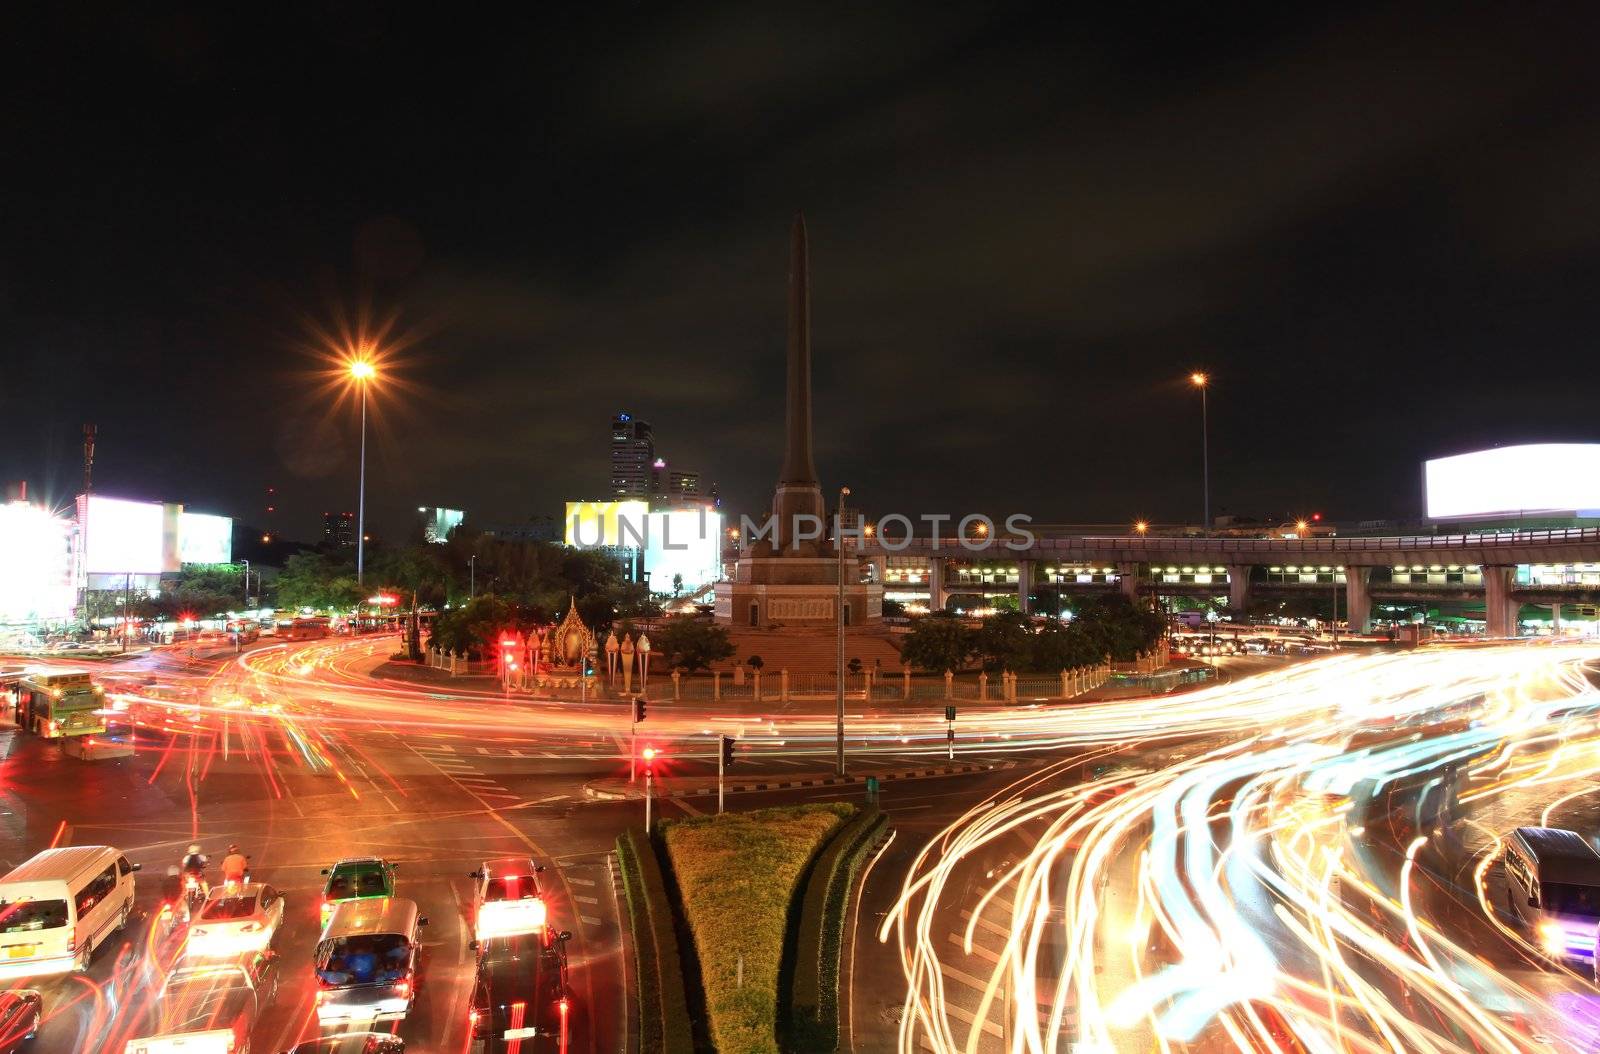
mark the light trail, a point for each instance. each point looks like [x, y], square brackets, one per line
[1293, 888]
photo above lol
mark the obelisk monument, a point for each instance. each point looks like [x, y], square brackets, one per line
[790, 575]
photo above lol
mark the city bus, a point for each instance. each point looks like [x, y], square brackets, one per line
[309, 628]
[58, 703]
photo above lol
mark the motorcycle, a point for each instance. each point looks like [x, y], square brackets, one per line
[194, 895]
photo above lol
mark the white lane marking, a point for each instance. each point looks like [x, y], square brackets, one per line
[588, 920]
[580, 881]
[686, 807]
[587, 900]
[977, 949]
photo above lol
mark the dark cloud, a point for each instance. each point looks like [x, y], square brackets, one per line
[1373, 229]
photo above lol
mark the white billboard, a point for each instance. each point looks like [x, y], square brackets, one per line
[686, 543]
[1515, 480]
[204, 539]
[35, 564]
[124, 537]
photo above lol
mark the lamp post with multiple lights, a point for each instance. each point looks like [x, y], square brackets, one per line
[362, 372]
[1201, 381]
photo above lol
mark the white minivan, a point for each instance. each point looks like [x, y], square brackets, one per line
[56, 908]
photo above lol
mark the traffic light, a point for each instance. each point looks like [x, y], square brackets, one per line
[649, 755]
[727, 751]
[638, 709]
[949, 713]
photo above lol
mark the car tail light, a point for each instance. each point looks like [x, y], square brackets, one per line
[72, 943]
[472, 1017]
[403, 987]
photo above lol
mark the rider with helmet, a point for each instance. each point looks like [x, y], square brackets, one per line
[234, 867]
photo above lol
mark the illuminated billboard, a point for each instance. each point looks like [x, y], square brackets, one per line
[204, 539]
[686, 543]
[35, 565]
[438, 523]
[126, 537]
[678, 542]
[1516, 480]
[594, 524]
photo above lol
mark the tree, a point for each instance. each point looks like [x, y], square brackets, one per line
[1115, 626]
[893, 608]
[1059, 646]
[691, 644]
[474, 627]
[319, 580]
[854, 665]
[755, 662]
[677, 584]
[1004, 641]
[938, 642]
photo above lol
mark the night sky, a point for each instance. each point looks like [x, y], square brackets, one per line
[1378, 231]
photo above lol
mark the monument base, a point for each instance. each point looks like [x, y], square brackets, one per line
[761, 605]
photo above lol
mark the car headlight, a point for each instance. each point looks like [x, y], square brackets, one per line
[1552, 936]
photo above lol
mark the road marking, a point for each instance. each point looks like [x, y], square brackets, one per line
[686, 807]
[970, 981]
[989, 1027]
[977, 949]
[588, 920]
[987, 924]
[587, 900]
[581, 881]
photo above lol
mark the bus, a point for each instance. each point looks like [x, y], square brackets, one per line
[59, 703]
[308, 628]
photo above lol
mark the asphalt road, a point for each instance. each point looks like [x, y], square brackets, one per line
[301, 759]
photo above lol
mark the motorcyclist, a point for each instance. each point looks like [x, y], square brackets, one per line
[194, 865]
[234, 867]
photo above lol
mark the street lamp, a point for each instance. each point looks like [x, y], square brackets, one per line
[1201, 381]
[838, 540]
[472, 576]
[362, 372]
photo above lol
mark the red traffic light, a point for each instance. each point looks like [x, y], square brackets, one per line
[1316, 515]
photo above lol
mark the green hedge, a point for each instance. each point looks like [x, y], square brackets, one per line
[813, 1020]
[737, 875]
[664, 1024]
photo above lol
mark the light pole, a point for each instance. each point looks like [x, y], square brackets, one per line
[362, 371]
[838, 543]
[1201, 381]
[472, 576]
[246, 583]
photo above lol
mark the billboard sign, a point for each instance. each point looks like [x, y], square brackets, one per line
[125, 537]
[204, 539]
[1515, 480]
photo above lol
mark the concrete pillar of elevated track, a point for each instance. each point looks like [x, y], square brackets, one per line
[1499, 610]
[1024, 586]
[1128, 580]
[936, 597]
[1238, 586]
[1358, 598]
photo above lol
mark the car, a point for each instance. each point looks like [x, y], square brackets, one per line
[507, 899]
[235, 920]
[210, 1007]
[21, 1010]
[351, 1043]
[357, 878]
[519, 994]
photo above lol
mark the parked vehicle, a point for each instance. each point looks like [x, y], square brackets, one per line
[352, 1043]
[57, 908]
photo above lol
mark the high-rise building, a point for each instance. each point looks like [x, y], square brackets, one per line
[633, 455]
[339, 529]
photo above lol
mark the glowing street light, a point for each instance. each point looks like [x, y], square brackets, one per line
[1141, 527]
[362, 372]
[1201, 381]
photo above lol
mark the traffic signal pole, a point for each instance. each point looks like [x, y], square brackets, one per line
[720, 767]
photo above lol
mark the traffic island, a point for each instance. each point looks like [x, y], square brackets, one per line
[737, 875]
[618, 788]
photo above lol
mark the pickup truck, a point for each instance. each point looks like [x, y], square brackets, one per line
[210, 1009]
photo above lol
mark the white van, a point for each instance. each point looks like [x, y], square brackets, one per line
[1553, 888]
[58, 907]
